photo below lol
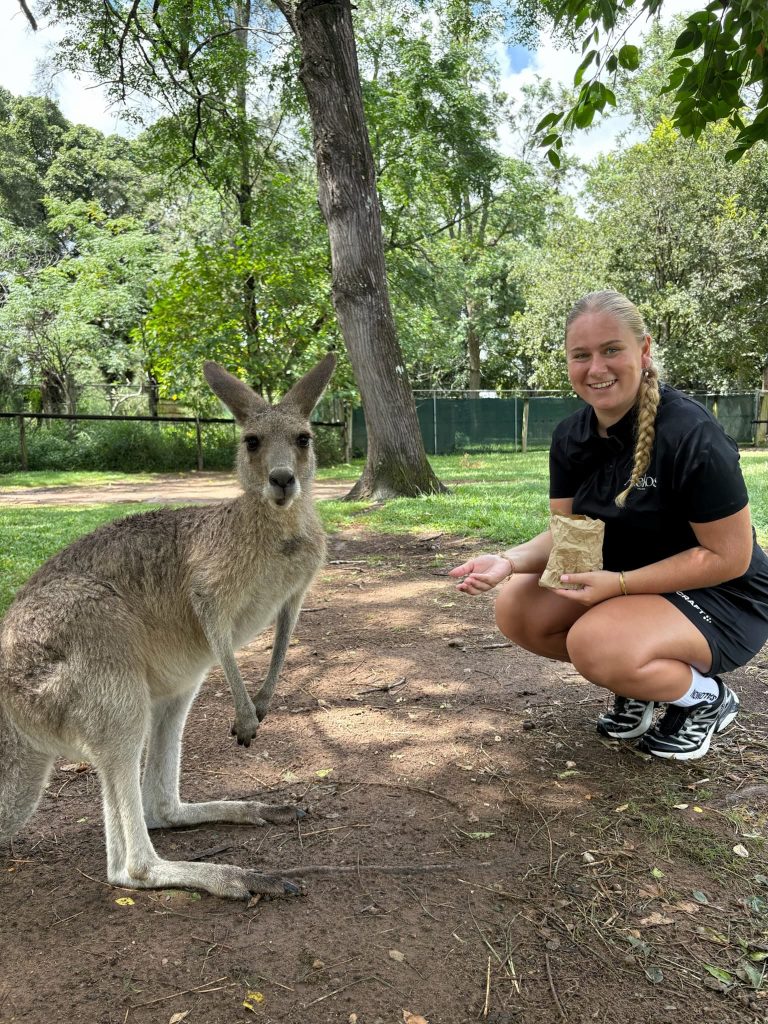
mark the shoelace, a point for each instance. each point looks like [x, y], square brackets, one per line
[671, 721]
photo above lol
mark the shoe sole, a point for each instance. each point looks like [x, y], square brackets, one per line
[632, 734]
[694, 755]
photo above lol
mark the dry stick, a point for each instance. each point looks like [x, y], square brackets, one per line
[382, 869]
[186, 992]
[487, 989]
[411, 789]
[563, 1014]
[371, 977]
[63, 920]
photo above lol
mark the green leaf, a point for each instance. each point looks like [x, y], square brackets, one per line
[699, 896]
[717, 972]
[748, 972]
[654, 974]
[553, 158]
[629, 57]
[583, 67]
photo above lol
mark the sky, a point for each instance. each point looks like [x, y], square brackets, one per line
[83, 102]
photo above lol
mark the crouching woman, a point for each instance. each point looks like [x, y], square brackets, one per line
[683, 595]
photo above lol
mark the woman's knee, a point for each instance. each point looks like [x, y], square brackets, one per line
[602, 655]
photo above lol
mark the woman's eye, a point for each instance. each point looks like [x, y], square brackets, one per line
[303, 440]
[252, 443]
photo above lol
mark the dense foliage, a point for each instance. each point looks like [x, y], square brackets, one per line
[126, 262]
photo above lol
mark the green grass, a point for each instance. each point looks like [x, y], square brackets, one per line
[498, 497]
[68, 478]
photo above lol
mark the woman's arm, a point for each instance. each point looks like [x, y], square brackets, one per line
[486, 571]
[723, 553]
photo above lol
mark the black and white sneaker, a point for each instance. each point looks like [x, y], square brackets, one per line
[684, 734]
[629, 719]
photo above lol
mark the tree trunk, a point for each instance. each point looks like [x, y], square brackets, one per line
[396, 464]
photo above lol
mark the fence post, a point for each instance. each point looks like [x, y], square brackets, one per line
[761, 427]
[23, 444]
[434, 420]
[199, 442]
[524, 433]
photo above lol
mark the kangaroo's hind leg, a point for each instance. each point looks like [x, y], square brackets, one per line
[132, 859]
[24, 772]
[160, 786]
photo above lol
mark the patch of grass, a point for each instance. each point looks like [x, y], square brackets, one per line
[68, 478]
[28, 536]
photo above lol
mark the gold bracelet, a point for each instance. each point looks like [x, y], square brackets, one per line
[623, 585]
[511, 564]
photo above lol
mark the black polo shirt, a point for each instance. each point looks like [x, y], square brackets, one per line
[693, 477]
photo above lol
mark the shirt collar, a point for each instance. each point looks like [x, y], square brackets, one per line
[620, 434]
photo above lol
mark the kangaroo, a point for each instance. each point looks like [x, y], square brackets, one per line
[104, 649]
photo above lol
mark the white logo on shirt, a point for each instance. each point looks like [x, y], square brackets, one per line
[643, 482]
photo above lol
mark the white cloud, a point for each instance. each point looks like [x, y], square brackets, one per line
[23, 52]
[559, 66]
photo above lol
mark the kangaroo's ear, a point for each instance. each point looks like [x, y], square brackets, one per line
[305, 393]
[241, 400]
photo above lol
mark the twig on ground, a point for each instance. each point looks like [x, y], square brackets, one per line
[410, 789]
[200, 988]
[556, 997]
[359, 981]
[487, 989]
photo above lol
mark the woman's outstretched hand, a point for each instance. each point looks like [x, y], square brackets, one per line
[482, 573]
[595, 587]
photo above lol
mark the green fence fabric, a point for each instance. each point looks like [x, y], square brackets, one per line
[451, 425]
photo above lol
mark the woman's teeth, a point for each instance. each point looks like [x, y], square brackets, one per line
[603, 384]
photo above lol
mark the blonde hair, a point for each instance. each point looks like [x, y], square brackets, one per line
[648, 396]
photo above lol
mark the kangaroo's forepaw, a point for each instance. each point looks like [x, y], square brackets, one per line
[245, 731]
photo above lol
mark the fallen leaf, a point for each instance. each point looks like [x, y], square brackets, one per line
[687, 907]
[125, 901]
[655, 919]
[177, 1017]
[657, 873]
[395, 954]
[698, 810]
[289, 777]
[749, 973]
[622, 808]
[252, 1000]
[413, 1018]
[699, 896]
[654, 974]
[587, 857]
[681, 807]
[717, 972]
[321, 773]
[740, 851]
[254, 901]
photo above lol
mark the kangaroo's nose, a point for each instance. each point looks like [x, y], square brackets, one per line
[281, 478]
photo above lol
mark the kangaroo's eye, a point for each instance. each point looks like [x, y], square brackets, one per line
[303, 440]
[252, 443]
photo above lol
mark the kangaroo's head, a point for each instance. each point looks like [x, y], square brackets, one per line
[275, 458]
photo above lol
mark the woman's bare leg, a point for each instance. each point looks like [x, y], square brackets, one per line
[638, 646]
[535, 618]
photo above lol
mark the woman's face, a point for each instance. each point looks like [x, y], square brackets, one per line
[605, 364]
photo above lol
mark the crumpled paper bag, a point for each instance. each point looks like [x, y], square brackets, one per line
[577, 547]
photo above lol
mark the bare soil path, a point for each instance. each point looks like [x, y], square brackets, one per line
[489, 858]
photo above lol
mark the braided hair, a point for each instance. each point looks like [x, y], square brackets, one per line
[648, 396]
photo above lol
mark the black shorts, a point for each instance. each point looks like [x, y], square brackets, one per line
[734, 624]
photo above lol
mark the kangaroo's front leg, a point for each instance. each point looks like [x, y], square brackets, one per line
[286, 620]
[160, 783]
[219, 639]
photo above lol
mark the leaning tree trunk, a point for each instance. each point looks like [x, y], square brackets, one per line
[396, 462]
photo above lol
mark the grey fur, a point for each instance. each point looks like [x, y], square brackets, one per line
[103, 650]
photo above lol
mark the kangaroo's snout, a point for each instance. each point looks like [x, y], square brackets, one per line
[283, 485]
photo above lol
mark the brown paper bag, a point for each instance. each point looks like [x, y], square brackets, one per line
[577, 547]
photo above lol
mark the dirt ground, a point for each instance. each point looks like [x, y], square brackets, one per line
[485, 856]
